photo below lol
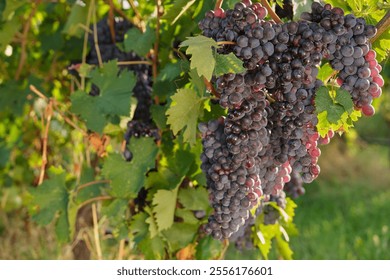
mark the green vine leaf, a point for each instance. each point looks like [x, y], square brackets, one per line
[153, 249]
[139, 42]
[335, 110]
[77, 18]
[194, 198]
[262, 237]
[50, 202]
[127, 178]
[114, 99]
[228, 63]
[180, 235]
[184, 112]
[164, 202]
[203, 60]
[177, 10]
[86, 106]
[153, 228]
[138, 227]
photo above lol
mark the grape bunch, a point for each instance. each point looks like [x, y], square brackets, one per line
[349, 52]
[269, 135]
[141, 125]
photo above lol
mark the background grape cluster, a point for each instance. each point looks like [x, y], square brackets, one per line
[268, 140]
[141, 124]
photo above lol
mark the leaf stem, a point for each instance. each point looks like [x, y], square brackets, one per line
[96, 231]
[211, 88]
[55, 105]
[226, 43]
[91, 184]
[218, 4]
[85, 43]
[48, 114]
[135, 62]
[111, 21]
[271, 12]
[95, 35]
[94, 199]
[26, 29]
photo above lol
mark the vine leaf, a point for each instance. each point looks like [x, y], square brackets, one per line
[283, 247]
[325, 72]
[200, 47]
[8, 32]
[153, 228]
[50, 202]
[187, 216]
[228, 63]
[139, 227]
[208, 248]
[115, 90]
[86, 107]
[115, 213]
[184, 112]
[263, 235]
[153, 249]
[127, 178]
[194, 198]
[335, 110]
[78, 17]
[164, 202]
[139, 42]
[114, 99]
[177, 10]
[179, 235]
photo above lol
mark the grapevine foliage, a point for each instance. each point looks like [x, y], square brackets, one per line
[151, 113]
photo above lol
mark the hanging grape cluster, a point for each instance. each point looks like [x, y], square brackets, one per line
[269, 134]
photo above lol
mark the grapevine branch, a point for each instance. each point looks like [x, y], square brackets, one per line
[56, 106]
[92, 183]
[271, 12]
[156, 43]
[119, 11]
[94, 199]
[85, 43]
[95, 36]
[382, 26]
[135, 62]
[111, 21]
[136, 12]
[48, 114]
[26, 29]
[96, 231]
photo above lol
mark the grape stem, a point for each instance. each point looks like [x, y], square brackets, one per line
[134, 62]
[271, 12]
[218, 4]
[95, 35]
[225, 43]
[111, 21]
[382, 26]
[26, 29]
[55, 104]
[98, 198]
[211, 88]
[92, 183]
